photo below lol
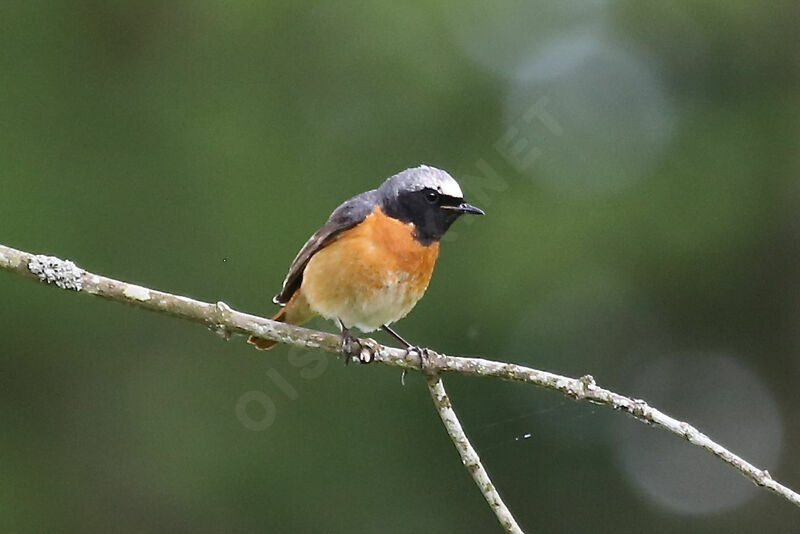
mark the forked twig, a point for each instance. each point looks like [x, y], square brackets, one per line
[225, 321]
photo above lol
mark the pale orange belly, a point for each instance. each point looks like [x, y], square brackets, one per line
[372, 276]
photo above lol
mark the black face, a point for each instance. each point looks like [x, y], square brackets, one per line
[431, 212]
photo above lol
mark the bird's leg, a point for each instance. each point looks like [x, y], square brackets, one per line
[421, 351]
[352, 347]
[395, 335]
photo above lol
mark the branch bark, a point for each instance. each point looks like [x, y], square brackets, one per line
[225, 321]
[469, 457]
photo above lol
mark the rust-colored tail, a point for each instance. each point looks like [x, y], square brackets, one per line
[265, 344]
[296, 311]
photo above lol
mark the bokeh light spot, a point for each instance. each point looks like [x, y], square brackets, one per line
[723, 399]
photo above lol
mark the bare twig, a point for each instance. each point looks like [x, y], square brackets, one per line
[469, 457]
[225, 321]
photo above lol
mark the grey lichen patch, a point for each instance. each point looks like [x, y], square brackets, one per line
[52, 270]
[221, 330]
[132, 291]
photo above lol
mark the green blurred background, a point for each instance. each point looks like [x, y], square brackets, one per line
[639, 168]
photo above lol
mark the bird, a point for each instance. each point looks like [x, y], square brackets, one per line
[371, 262]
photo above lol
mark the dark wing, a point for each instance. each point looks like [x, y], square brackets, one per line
[344, 217]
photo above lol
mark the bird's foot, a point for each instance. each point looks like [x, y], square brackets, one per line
[354, 348]
[422, 353]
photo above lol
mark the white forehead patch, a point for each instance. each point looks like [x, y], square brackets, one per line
[425, 176]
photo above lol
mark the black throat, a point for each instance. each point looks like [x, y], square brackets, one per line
[430, 221]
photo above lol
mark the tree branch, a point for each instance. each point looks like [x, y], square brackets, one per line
[469, 457]
[225, 321]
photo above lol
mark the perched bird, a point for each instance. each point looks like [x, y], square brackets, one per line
[372, 260]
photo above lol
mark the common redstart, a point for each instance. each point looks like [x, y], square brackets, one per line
[372, 260]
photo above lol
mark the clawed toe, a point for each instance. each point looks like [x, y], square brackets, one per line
[422, 352]
[353, 348]
[350, 346]
[366, 355]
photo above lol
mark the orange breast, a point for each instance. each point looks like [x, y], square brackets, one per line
[372, 275]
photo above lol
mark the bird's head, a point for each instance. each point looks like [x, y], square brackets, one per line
[427, 197]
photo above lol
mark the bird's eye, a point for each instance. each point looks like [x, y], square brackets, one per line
[431, 196]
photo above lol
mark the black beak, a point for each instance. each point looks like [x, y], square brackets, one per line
[467, 208]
